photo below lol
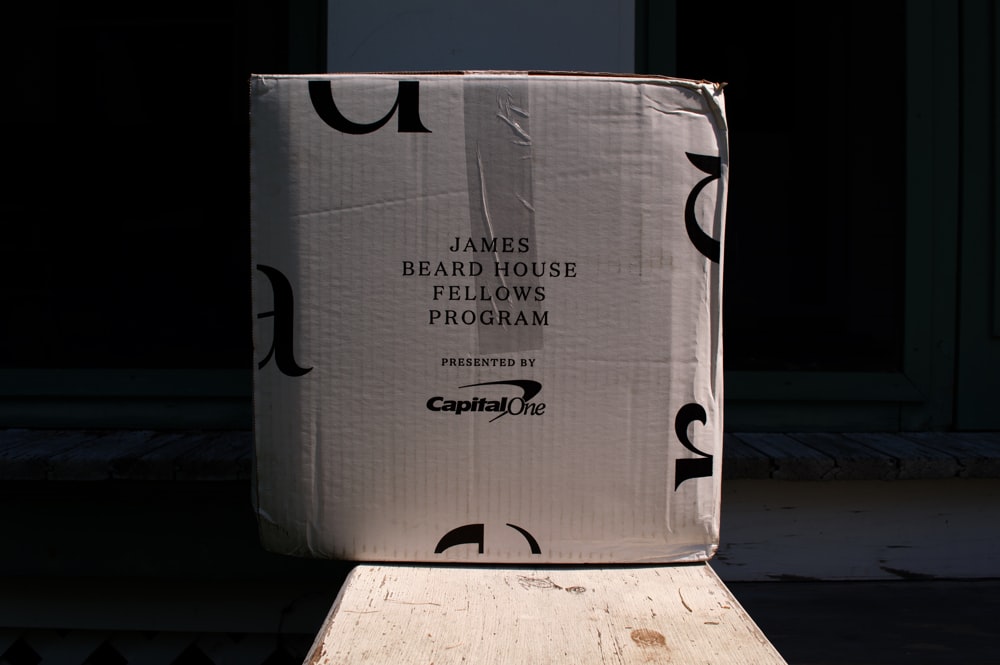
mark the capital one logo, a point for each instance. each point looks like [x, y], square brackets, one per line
[406, 108]
[516, 405]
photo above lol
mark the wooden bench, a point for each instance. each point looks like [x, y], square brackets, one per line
[398, 614]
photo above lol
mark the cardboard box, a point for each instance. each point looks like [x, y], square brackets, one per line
[488, 316]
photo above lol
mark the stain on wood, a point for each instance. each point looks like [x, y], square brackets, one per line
[648, 638]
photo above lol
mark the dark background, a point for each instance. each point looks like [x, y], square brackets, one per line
[126, 242]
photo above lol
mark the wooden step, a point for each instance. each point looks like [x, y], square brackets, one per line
[400, 614]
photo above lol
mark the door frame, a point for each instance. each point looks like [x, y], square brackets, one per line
[922, 395]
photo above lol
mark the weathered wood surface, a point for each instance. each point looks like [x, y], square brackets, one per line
[861, 456]
[94, 455]
[425, 614]
[790, 459]
[24, 454]
[101, 454]
[855, 460]
[741, 461]
[977, 453]
[914, 460]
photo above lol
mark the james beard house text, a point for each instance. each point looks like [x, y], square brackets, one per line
[498, 297]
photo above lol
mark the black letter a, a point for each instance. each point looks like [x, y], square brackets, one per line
[281, 339]
[407, 103]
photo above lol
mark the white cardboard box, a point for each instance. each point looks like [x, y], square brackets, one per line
[488, 316]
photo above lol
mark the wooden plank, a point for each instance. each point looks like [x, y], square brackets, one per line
[98, 456]
[987, 442]
[977, 454]
[438, 614]
[791, 459]
[156, 461]
[915, 460]
[93, 455]
[26, 454]
[741, 461]
[855, 461]
[201, 456]
[224, 457]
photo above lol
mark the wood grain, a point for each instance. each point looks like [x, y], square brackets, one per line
[424, 614]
